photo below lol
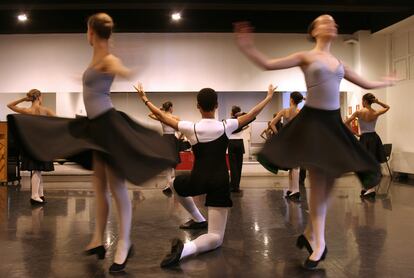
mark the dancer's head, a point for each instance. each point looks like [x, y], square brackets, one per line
[323, 27]
[34, 95]
[207, 100]
[100, 27]
[235, 110]
[295, 98]
[167, 107]
[368, 99]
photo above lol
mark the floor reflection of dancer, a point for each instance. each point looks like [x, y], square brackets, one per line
[169, 133]
[367, 119]
[316, 138]
[287, 115]
[122, 149]
[209, 140]
[28, 164]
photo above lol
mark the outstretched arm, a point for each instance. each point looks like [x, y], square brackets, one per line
[385, 107]
[161, 116]
[13, 106]
[244, 38]
[355, 78]
[275, 120]
[114, 65]
[247, 118]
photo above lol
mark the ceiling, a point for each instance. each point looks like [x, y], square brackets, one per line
[292, 16]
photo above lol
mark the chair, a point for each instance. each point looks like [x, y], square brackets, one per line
[388, 150]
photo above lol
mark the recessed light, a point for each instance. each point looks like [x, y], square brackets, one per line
[176, 16]
[22, 17]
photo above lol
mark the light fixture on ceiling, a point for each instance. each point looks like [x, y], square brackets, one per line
[22, 17]
[176, 16]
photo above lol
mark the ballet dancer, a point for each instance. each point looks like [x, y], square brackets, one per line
[367, 119]
[316, 138]
[287, 115]
[169, 134]
[28, 164]
[209, 140]
[117, 147]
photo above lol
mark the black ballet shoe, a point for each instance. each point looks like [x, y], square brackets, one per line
[121, 267]
[294, 197]
[192, 225]
[302, 241]
[43, 199]
[310, 264]
[99, 251]
[362, 192]
[173, 258]
[36, 203]
[370, 195]
[288, 193]
[167, 191]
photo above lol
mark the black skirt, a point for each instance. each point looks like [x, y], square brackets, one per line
[373, 144]
[174, 143]
[29, 164]
[318, 138]
[135, 152]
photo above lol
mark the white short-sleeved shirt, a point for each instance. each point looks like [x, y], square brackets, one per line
[207, 129]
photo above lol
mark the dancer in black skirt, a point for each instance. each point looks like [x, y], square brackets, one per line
[28, 164]
[209, 139]
[122, 149]
[367, 119]
[316, 138]
[287, 115]
[169, 134]
[236, 152]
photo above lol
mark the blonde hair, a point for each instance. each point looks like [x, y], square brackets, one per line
[34, 94]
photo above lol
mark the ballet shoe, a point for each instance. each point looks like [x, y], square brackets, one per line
[311, 264]
[288, 193]
[167, 191]
[174, 256]
[121, 267]
[302, 241]
[294, 196]
[370, 195]
[99, 251]
[34, 202]
[43, 199]
[192, 225]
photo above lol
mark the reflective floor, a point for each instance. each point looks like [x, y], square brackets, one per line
[365, 238]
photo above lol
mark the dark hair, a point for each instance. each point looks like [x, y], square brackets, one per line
[234, 110]
[34, 94]
[166, 106]
[296, 97]
[369, 98]
[102, 24]
[207, 99]
[310, 29]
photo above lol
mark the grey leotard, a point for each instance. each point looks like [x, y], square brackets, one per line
[96, 92]
[366, 126]
[323, 86]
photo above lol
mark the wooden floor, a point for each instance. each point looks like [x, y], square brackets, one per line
[365, 238]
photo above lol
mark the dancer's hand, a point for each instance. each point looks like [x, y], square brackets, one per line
[140, 90]
[244, 34]
[390, 80]
[271, 90]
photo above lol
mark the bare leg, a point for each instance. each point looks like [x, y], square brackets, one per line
[321, 187]
[123, 204]
[102, 202]
[294, 180]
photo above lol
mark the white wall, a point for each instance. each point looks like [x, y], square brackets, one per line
[164, 62]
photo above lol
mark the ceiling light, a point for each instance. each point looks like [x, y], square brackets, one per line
[22, 17]
[176, 16]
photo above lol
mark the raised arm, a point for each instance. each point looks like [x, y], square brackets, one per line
[385, 107]
[13, 106]
[244, 39]
[355, 78]
[349, 120]
[275, 120]
[247, 118]
[162, 117]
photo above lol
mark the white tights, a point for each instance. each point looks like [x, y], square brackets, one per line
[37, 186]
[104, 175]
